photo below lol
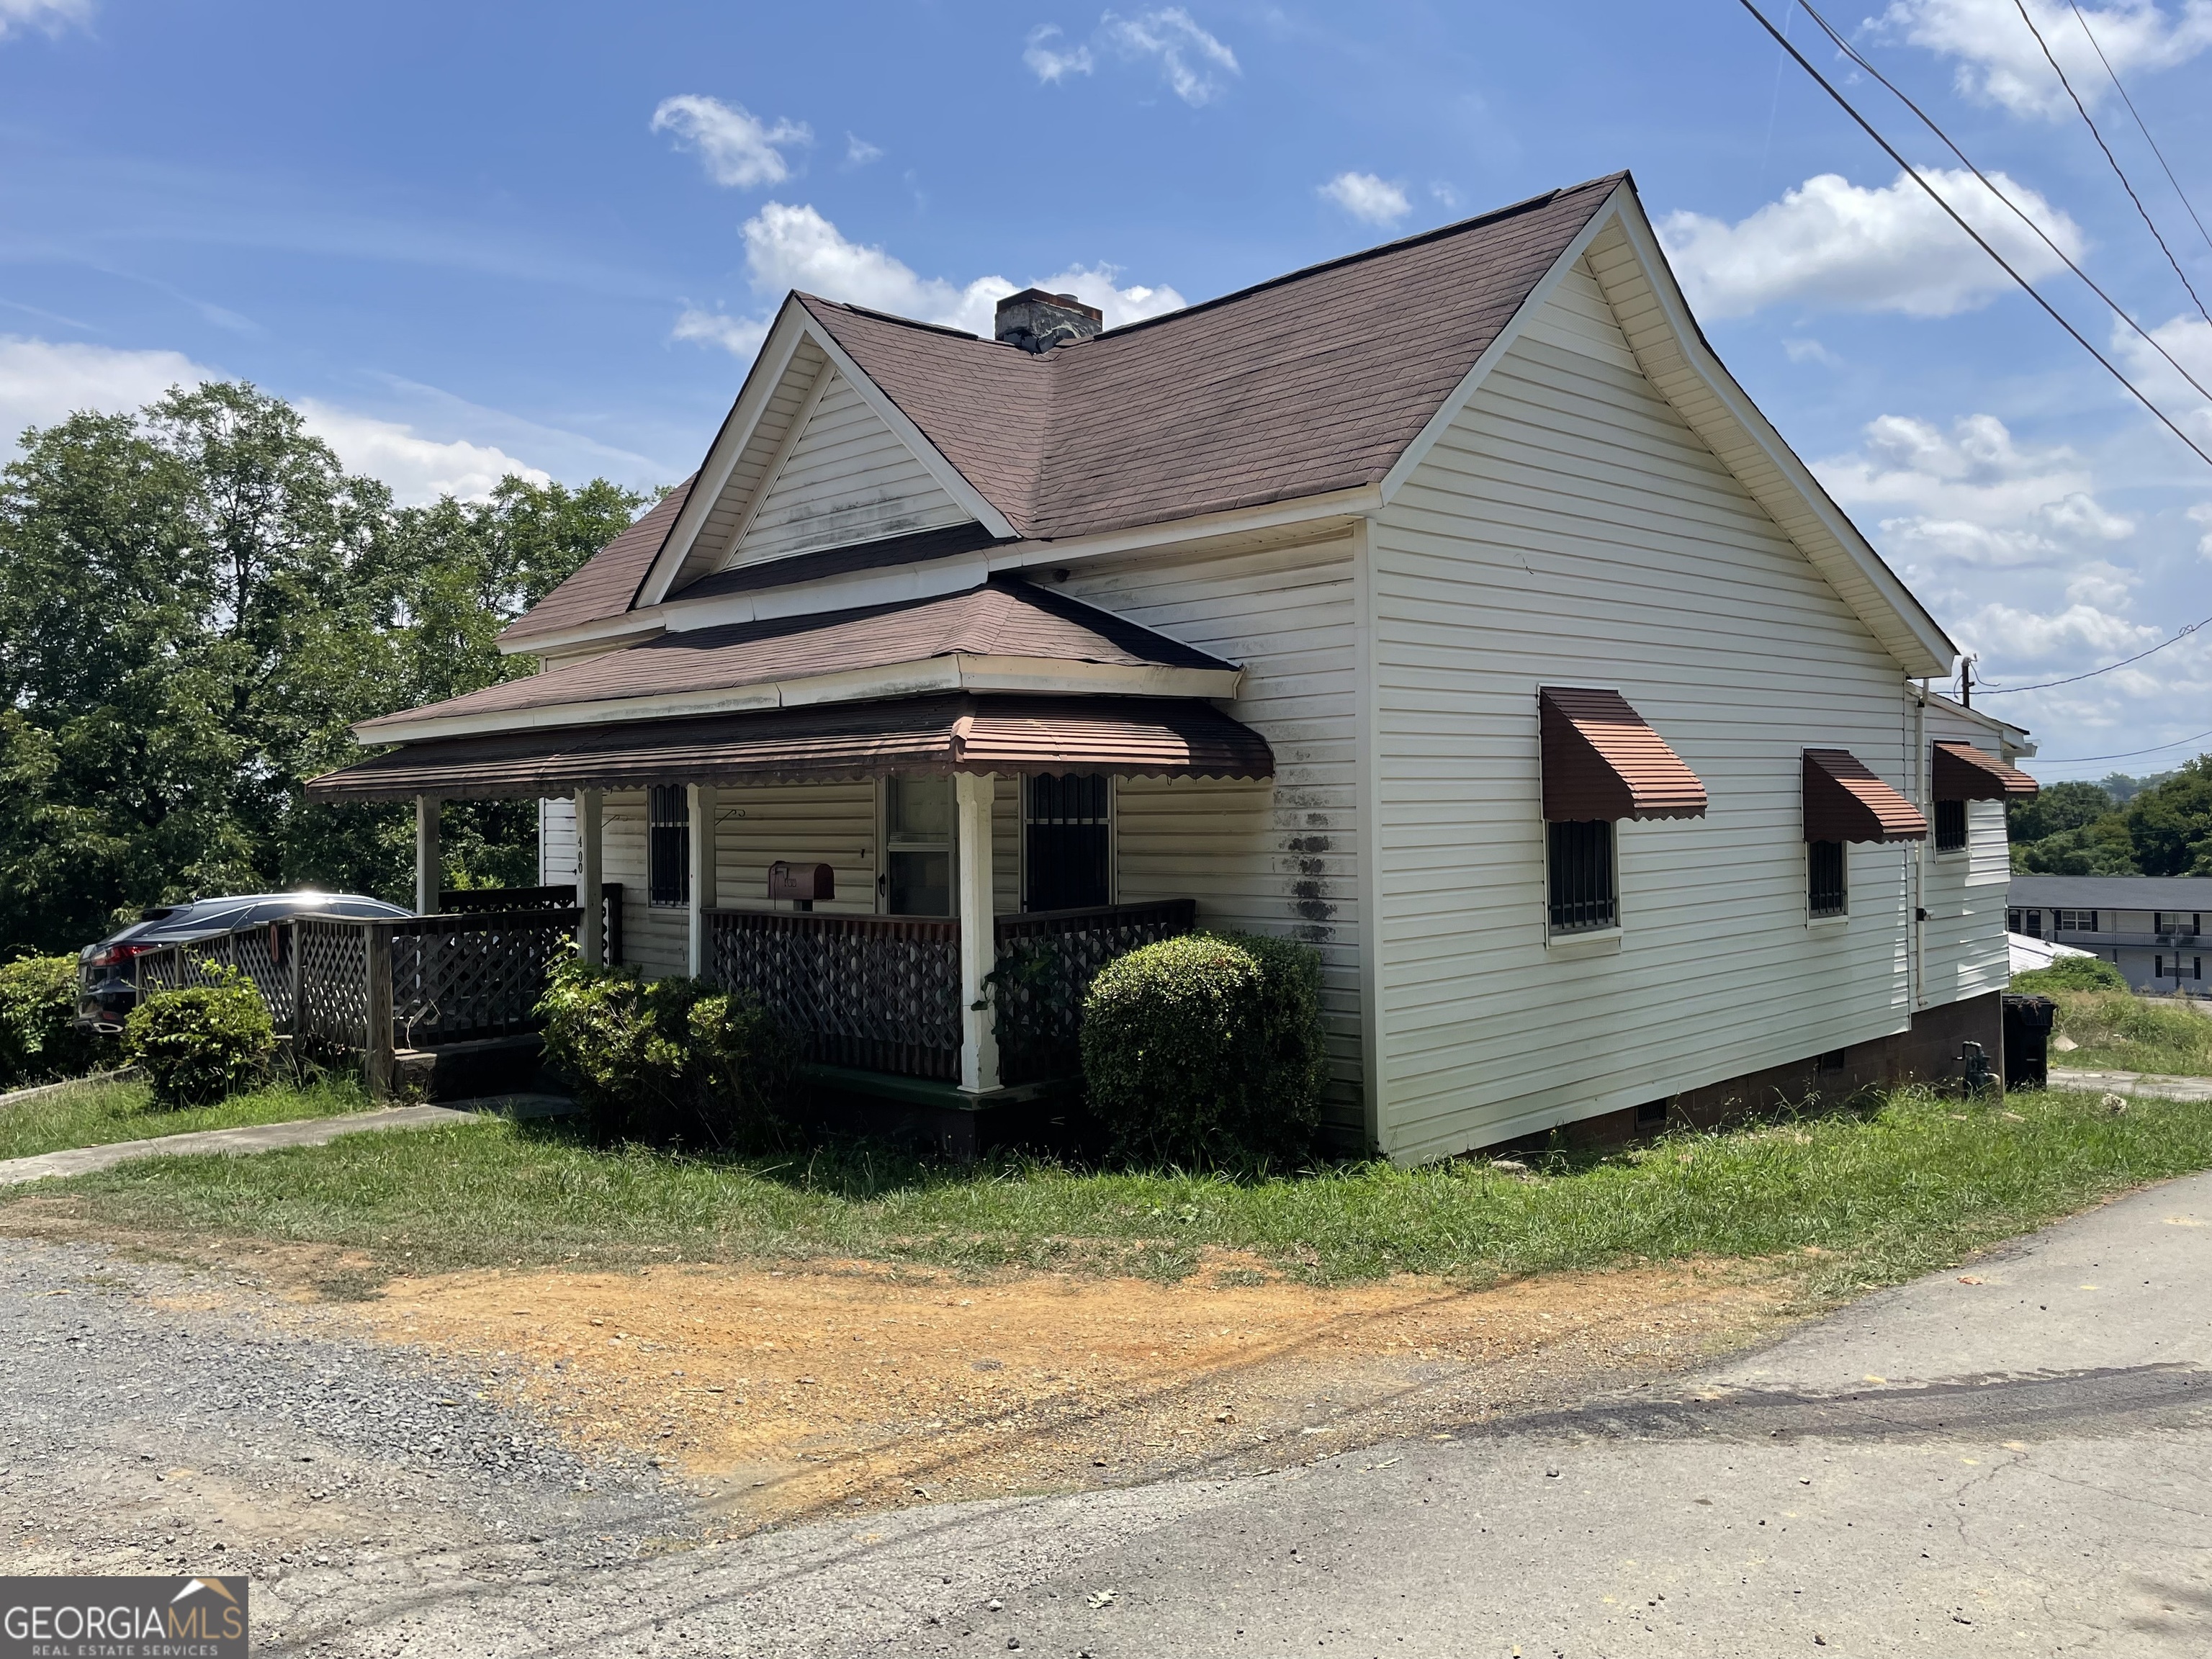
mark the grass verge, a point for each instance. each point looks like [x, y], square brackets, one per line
[1855, 1198]
[100, 1114]
[2119, 1032]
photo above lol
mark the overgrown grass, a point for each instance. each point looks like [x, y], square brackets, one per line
[98, 1113]
[2119, 1032]
[1855, 1198]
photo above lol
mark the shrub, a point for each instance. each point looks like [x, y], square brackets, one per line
[1207, 1049]
[202, 1043]
[2070, 974]
[39, 1037]
[665, 1061]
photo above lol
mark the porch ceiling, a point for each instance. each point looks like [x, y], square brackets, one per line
[1127, 736]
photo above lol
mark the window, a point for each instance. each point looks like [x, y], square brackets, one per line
[2196, 967]
[1950, 826]
[2028, 923]
[1066, 842]
[1581, 876]
[1827, 882]
[918, 818]
[2074, 922]
[2172, 921]
[2158, 967]
[668, 845]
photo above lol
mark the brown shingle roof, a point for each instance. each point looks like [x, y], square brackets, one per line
[607, 580]
[1307, 384]
[1602, 760]
[957, 732]
[999, 619]
[1845, 801]
[1311, 383]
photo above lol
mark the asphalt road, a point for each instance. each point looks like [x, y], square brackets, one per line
[2008, 1459]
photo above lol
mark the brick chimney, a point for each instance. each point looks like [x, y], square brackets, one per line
[1037, 321]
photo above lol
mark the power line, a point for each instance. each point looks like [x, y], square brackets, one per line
[2021, 214]
[2186, 203]
[1989, 691]
[2082, 760]
[2148, 224]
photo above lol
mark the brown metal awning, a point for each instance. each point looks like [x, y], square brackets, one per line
[1602, 760]
[1141, 737]
[1845, 801]
[1963, 772]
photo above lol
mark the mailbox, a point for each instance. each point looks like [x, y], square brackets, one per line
[802, 882]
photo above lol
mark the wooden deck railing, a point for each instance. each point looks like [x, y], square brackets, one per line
[881, 993]
[1046, 962]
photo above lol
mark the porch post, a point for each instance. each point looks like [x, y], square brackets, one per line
[700, 797]
[428, 871]
[591, 891]
[979, 1044]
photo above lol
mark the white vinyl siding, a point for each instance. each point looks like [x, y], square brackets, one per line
[557, 841]
[848, 478]
[1278, 859]
[1963, 943]
[1571, 529]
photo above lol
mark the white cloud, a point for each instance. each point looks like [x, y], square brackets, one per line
[1975, 472]
[2189, 341]
[2078, 515]
[1050, 61]
[1188, 57]
[1999, 62]
[51, 17]
[1924, 543]
[1810, 351]
[2202, 513]
[2102, 585]
[788, 247]
[1830, 242]
[2078, 632]
[1192, 62]
[859, 152]
[42, 382]
[1364, 196]
[736, 148]
[418, 469]
[1447, 198]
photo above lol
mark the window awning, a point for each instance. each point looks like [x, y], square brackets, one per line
[1845, 801]
[1602, 760]
[1139, 737]
[1963, 772]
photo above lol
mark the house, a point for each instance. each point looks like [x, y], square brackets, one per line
[1447, 607]
[2150, 927]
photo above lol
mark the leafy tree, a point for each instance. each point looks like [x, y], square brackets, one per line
[196, 603]
[2058, 806]
[2170, 824]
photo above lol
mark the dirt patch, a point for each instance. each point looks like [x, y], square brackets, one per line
[779, 1393]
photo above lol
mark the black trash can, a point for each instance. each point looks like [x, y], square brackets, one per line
[2027, 1041]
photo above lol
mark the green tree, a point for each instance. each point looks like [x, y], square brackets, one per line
[196, 604]
[2058, 806]
[2170, 823]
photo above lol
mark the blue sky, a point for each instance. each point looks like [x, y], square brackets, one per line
[472, 238]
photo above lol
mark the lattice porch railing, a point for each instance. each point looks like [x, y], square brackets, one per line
[878, 993]
[1046, 962]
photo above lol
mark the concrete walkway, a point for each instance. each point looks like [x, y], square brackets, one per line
[2132, 1083]
[268, 1137]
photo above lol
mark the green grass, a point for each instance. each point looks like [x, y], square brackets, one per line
[98, 1113]
[2118, 1031]
[1853, 1198]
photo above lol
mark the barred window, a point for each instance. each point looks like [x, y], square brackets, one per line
[1066, 842]
[668, 845]
[1950, 826]
[1581, 856]
[1827, 881]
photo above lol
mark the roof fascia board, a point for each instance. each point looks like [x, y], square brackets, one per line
[954, 672]
[1937, 648]
[2016, 736]
[769, 369]
[949, 476]
[1471, 382]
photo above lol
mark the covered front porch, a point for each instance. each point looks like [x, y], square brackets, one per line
[920, 890]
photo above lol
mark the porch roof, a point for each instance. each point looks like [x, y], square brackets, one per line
[820, 743]
[1003, 636]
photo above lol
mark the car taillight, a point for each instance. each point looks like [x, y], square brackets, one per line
[118, 953]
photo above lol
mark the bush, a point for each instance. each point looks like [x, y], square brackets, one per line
[2070, 974]
[665, 1061]
[202, 1043]
[39, 1037]
[1207, 1049]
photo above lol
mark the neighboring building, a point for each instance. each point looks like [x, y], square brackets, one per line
[1447, 607]
[2151, 927]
